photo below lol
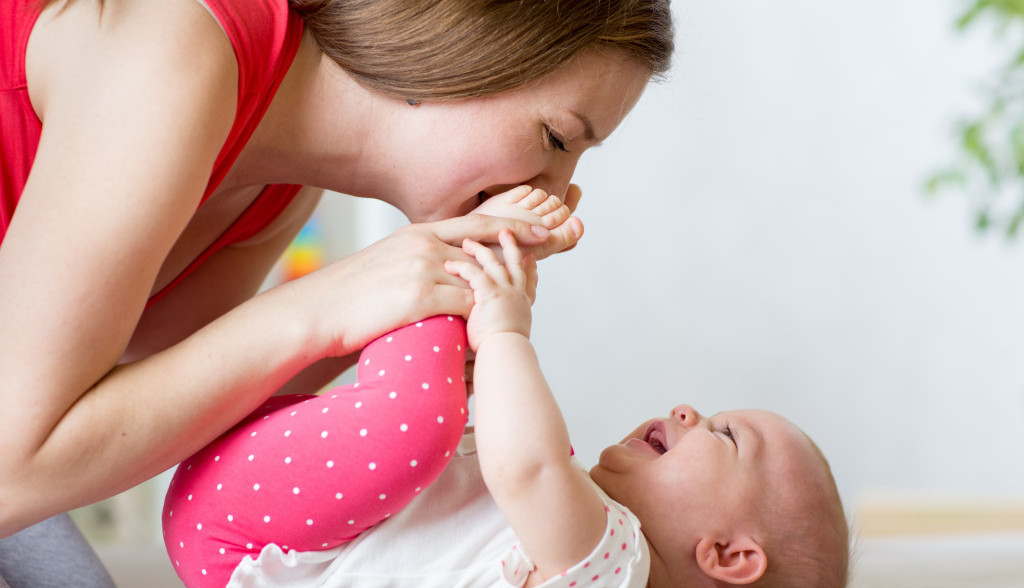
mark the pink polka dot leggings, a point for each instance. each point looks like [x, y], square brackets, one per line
[312, 472]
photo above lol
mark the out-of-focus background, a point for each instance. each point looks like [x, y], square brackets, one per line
[759, 235]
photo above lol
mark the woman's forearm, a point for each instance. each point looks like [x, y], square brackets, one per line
[146, 416]
[75, 431]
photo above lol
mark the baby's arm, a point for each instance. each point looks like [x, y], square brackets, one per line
[522, 440]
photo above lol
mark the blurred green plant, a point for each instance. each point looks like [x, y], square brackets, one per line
[990, 164]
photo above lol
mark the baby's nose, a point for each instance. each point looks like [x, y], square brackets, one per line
[685, 414]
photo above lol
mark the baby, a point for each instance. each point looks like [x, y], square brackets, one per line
[375, 484]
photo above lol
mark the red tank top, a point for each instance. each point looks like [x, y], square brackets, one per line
[265, 36]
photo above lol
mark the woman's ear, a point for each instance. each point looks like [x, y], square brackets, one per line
[739, 560]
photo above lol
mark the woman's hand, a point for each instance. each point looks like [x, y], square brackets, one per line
[398, 280]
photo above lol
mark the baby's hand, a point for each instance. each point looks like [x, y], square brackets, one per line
[502, 292]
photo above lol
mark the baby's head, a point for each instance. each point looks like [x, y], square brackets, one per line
[738, 498]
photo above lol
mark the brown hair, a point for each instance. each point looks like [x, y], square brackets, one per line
[809, 540]
[451, 49]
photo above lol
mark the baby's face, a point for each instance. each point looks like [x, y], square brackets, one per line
[689, 476]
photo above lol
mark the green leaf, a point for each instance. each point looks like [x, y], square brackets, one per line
[971, 15]
[992, 143]
[1017, 143]
[974, 144]
[982, 221]
[945, 179]
[1014, 224]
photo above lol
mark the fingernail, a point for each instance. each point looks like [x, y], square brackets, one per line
[577, 228]
[540, 231]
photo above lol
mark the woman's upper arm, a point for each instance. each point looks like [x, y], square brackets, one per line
[133, 118]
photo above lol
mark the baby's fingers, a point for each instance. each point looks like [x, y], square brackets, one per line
[468, 271]
[487, 260]
[513, 258]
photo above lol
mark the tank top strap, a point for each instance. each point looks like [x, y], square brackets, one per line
[265, 36]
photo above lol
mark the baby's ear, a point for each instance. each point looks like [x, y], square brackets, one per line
[739, 560]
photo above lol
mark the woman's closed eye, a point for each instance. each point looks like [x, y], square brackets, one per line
[556, 141]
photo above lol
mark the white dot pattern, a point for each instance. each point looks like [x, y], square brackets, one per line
[382, 439]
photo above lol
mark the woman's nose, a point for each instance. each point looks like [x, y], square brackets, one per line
[556, 178]
[685, 414]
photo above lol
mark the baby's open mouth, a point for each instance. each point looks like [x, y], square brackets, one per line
[655, 437]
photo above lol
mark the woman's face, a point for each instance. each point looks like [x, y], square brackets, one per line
[438, 158]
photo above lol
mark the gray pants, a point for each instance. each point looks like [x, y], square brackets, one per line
[52, 554]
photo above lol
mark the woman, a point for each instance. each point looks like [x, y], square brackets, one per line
[158, 157]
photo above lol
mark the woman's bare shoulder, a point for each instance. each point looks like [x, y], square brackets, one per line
[79, 46]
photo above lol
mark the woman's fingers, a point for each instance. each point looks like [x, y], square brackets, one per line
[535, 239]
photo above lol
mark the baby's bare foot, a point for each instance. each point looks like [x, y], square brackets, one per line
[539, 208]
[523, 203]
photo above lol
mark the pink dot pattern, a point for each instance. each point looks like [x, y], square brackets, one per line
[312, 472]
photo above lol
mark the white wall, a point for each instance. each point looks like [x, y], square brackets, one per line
[757, 236]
